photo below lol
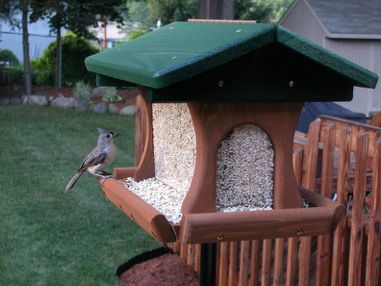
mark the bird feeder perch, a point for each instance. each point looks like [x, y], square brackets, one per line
[220, 102]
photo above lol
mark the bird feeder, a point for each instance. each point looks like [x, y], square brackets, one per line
[220, 103]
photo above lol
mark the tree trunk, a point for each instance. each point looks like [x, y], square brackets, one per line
[104, 32]
[58, 74]
[216, 9]
[25, 45]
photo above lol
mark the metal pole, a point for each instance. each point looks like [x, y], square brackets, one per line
[208, 264]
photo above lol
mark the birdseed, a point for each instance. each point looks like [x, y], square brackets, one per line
[174, 142]
[245, 165]
[159, 195]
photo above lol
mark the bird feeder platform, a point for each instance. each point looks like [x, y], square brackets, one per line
[213, 227]
[229, 79]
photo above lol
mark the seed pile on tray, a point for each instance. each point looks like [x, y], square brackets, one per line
[245, 164]
[174, 143]
[162, 197]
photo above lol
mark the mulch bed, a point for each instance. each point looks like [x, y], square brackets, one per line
[159, 267]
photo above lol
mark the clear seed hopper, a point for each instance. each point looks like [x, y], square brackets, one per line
[215, 125]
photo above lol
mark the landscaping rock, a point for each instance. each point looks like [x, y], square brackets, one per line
[15, 100]
[24, 100]
[129, 110]
[113, 108]
[100, 107]
[100, 91]
[81, 105]
[63, 102]
[40, 100]
[4, 101]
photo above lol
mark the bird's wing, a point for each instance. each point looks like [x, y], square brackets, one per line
[94, 158]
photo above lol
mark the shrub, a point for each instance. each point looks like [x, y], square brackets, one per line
[11, 75]
[8, 58]
[111, 95]
[136, 33]
[82, 91]
[74, 51]
[16, 75]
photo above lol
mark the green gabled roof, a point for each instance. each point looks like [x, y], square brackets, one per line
[182, 50]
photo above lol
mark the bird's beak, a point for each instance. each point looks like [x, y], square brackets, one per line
[115, 135]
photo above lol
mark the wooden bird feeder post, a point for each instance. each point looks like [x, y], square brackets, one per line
[220, 102]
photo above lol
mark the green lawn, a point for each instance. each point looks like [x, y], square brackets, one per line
[48, 237]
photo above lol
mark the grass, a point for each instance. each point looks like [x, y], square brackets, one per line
[48, 237]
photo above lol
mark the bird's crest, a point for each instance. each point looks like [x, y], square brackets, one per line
[102, 130]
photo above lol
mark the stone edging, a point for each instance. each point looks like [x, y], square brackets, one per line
[70, 103]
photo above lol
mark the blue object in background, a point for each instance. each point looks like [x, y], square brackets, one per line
[311, 110]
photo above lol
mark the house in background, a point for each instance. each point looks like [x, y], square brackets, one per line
[108, 36]
[350, 28]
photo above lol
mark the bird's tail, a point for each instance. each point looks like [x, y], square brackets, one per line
[73, 180]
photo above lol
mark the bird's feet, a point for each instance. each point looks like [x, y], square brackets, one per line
[104, 178]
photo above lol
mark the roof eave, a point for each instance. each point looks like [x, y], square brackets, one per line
[355, 73]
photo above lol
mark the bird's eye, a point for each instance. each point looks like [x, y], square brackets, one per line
[108, 135]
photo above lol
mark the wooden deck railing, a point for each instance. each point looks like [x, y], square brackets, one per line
[339, 159]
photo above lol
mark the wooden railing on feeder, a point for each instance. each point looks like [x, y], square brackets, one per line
[337, 158]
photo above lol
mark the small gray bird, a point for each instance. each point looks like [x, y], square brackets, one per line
[100, 157]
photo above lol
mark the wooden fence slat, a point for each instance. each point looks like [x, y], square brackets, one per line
[266, 262]
[356, 241]
[372, 275]
[310, 158]
[254, 269]
[323, 253]
[224, 260]
[304, 261]
[339, 243]
[278, 261]
[292, 256]
[309, 182]
[190, 256]
[184, 251]
[297, 161]
[244, 263]
[356, 129]
[292, 243]
[197, 257]
[233, 251]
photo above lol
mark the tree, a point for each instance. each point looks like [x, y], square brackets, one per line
[74, 50]
[9, 57]
[261, 10]
[25, 46]
[172, 10]
[148, 12]
[216, 9]
[76, 16]
[8, 10]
